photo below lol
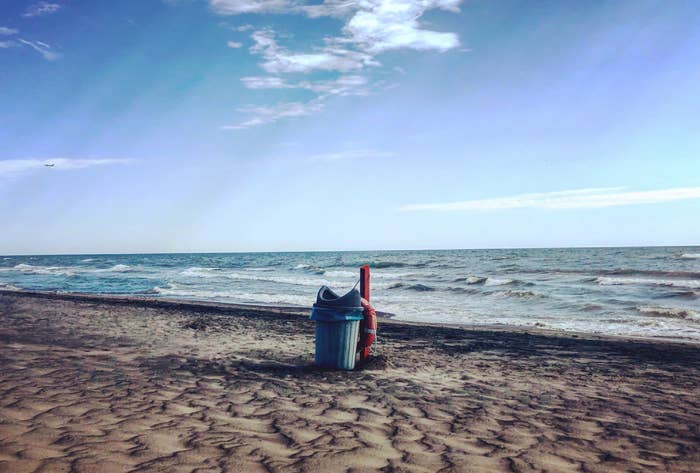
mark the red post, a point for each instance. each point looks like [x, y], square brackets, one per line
[364, 282]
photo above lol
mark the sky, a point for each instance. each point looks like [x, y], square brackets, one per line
[284, 125]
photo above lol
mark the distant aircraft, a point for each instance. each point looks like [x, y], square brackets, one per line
[50, 165]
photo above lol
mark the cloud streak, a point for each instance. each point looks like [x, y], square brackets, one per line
[5, 31]
[369, 28]
[41, 48]
[41, 9]
[269, 114]
[570, 199]
[17, 167]
[351, 154]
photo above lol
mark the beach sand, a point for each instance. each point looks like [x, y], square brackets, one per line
[90, 384]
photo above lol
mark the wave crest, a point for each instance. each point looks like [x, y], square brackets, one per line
[686, 283]
[668, 312]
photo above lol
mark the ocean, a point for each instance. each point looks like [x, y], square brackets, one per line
[642, 292]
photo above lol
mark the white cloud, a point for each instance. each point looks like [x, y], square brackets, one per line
[5, 31]
[382, 25]
[269, 114]
[369, 27]
[351, 154]
[15, 167]
[41, 9]
[571, 199]
[7, 44]
[334, 8]
[329, 58]
[42, 48]
[234, 44]
[237, 7]
[343, 85]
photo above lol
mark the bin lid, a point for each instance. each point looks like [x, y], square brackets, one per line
[330, 307]
[328, 298]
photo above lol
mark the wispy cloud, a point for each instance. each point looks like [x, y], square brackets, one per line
[374, 25]
[5, 31]
[351, 154]
[368, 29]
[269, 114]
[42, 48]
[277, 60]
[343, 85]
[16, 167]
[41, 9]
[570, 199]
[261, 115]
[238, 7]
[234, 44]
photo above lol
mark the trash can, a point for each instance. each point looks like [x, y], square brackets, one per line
[337, 326]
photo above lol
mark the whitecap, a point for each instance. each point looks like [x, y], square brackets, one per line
[48, 270]
[691, 255]
[341, 274]
[176, 290]
[498, 282]
[607, 281]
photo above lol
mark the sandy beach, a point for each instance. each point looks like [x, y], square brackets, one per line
[109, 384]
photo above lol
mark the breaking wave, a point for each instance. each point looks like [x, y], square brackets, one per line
[519, 294]
[690, 255]
[686, 283]
[668, 312]
[47, 270]
[200, 272]
[412, 287]
[178, 290]
[486, 281]
[342, 274]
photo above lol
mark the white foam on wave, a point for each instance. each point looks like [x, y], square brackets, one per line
[199, 272]
[687, 283]
[177, 290]
[241, 276]
[9, 287]
[48, 270]
[382, 275]
[341, 274]
[691, 255]
[86, 260]
[498, 282]
[117, 268]
[475, 280]
[259, 269]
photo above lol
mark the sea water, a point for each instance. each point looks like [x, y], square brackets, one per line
[647, 292]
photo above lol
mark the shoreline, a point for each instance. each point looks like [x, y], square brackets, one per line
[112, 384]
[205, 306]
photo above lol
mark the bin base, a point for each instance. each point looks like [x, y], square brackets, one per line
[336, 344]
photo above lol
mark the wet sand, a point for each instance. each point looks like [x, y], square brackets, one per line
[90, 384]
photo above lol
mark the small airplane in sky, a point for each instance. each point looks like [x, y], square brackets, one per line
[50, 165]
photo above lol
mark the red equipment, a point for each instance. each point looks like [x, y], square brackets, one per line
[368, 325]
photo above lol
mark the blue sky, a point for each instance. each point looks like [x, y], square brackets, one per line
[253, 125]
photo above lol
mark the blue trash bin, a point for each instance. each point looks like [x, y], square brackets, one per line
[337, 326]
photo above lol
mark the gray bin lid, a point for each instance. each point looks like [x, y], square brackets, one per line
[330, 307]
